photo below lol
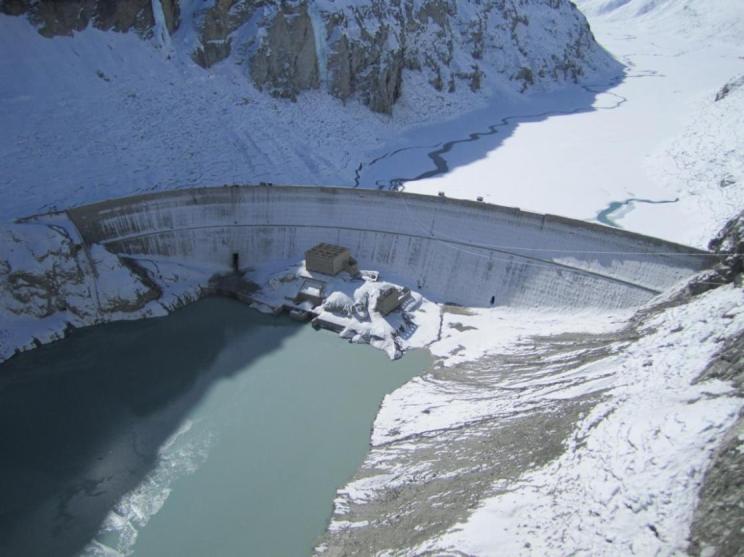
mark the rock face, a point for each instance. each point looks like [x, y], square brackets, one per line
[64, 18]
[718, 525]
[286, 60]
[46, 273]
[729, 245]
[362, 49]
[730, 242]
[215, 26]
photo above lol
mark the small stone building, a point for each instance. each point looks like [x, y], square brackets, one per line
[330, 259]
[390, 299]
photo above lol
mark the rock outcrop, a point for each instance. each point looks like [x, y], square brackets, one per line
[286, 60]
[64, 18]
[729, 245]
[47, 275]
[718, 525]
[729, 242]
[733, 85]
[362, 49]
[215, 26]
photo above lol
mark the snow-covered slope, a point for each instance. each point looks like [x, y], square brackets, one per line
[354, 48]
[628, 480]
[691, 20]
[90, 112]
[651, 151]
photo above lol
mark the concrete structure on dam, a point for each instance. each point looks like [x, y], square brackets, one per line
[454, 251]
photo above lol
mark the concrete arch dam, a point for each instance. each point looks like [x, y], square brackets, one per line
[455, 251]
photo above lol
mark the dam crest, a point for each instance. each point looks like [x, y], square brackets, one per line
[454, 251]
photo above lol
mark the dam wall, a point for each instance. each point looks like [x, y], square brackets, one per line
[455, 251]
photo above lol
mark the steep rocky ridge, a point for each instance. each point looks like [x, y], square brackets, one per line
[64, 18]
[729, 245]
[358, 49]
[362, 48]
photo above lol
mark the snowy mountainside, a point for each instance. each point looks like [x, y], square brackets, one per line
[91, 112]
[651, 150]
[714, 20]
[364, 47]
[355, 48]
[704, 162]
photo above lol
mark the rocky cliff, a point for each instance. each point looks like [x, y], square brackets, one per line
[50, 280]
[64, 18]
[356, 48]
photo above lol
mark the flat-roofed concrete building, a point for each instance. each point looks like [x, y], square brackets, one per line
[330, 259]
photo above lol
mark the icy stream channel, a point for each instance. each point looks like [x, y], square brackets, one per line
[215, 430]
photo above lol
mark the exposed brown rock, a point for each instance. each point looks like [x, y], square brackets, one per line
[64, 18]
[357, 50]
[286, 61]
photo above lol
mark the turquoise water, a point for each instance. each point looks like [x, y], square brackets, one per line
[214, 431]
[609, 217]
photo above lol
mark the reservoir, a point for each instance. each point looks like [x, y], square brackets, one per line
[213, 431]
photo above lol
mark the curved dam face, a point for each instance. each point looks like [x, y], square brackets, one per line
[454, 251]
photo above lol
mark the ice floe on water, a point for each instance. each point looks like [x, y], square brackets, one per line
[180, 455]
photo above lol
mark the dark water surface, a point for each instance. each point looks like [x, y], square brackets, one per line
[214, 431]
